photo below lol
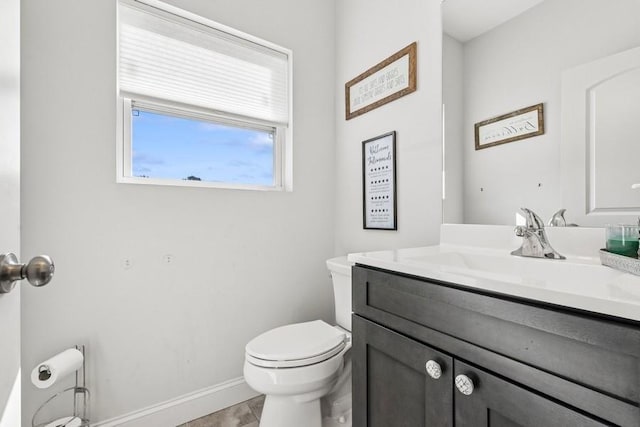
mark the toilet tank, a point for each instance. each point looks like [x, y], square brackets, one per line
[340, 270]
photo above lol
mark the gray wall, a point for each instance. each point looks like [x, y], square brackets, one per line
[453, 102]
[368, 31]
[520, 64]
[244, 261]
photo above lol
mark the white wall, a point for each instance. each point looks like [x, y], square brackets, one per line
[368, 31]
[244, 261]
[453, 101]
[520, 64]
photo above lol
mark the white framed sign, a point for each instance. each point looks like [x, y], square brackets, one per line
[520, 124]
[389, 80]
[379, 182]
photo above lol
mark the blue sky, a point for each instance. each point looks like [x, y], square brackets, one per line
[175, 148]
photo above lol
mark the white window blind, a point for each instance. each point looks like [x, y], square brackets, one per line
[169, 57]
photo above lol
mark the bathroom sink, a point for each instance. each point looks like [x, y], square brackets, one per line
[571, 276]
[479, 257]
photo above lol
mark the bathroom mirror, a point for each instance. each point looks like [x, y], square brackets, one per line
[500, 56]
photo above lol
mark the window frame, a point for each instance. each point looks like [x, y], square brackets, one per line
[283, 134]
[125, 163]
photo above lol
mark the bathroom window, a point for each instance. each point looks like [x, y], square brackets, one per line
[200, 104]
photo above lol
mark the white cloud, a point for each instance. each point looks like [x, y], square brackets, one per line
[262, 139]
[213, 127]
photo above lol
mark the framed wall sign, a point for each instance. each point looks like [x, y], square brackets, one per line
[379, 182]
[520, 124]
[389, 80]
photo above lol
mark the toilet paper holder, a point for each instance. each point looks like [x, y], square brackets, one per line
[81, 398]
[44, 373]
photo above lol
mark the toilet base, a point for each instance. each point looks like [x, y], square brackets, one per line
[342, 421]
[282, 411]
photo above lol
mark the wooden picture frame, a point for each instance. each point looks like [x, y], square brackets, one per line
[379, 201]
[520, 124]
[388, 80]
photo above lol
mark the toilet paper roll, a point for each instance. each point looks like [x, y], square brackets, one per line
[48, 372]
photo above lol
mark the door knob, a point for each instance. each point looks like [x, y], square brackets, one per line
[433, 369]
[38, 271]
[464, 384]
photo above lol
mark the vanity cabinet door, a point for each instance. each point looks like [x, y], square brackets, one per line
[482, 399]
[398, 382]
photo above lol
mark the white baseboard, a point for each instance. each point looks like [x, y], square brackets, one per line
[185, 408]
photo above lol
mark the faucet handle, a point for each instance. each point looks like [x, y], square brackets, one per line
[520, 231]
[533, 220]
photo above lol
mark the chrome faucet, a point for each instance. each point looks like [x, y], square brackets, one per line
[534, 238]
[557, 220]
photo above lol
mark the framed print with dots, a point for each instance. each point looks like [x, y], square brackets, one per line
[379, 182]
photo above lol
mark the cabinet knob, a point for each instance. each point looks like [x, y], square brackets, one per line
[464, 384]
[433, 369]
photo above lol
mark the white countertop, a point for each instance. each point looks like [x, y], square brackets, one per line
[484, 262]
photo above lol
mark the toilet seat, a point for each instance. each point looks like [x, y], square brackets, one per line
[296, 345]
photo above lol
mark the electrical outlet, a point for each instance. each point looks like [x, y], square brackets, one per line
[126, 263]
[168, 259]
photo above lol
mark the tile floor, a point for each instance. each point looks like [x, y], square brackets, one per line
[244, 414]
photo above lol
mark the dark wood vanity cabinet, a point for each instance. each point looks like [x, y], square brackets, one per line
[529, 364]
[498, 402]
[394, 388]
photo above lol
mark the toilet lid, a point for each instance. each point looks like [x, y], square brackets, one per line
[299, 344]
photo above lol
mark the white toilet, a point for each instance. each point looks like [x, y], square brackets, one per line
[304, 369]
